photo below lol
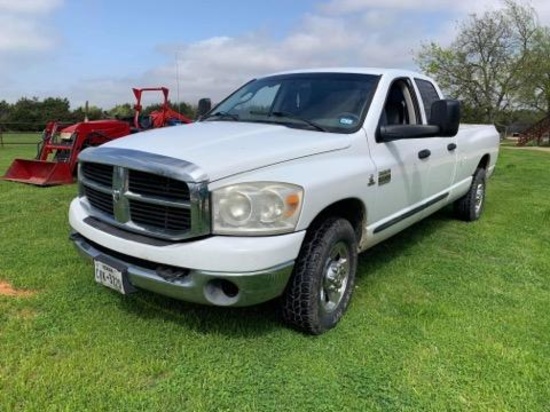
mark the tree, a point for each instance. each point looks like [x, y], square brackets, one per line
[487, 64]
[32, 114]
[94, 113]
[121, 111]
[55, 108]
[186, 109]
[535, 92]
[183, 108]
[5, 109]
[25, 115]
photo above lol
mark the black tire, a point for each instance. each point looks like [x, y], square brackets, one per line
[320, 289]
[471, 205]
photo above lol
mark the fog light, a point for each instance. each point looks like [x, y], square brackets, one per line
[221, 292]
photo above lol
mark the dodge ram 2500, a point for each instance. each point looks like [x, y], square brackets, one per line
[275, 191]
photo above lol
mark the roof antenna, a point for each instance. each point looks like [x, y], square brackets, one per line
[178, 82]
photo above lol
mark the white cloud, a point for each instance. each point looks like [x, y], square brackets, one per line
[353, 6]
[29, 6]
[338, 33]
[22, 35]
[26, 37]
[370, 33]
[215, 66]
[344, 7]
[24, 25]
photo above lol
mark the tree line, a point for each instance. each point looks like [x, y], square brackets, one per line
[498, 65]
[32, 114]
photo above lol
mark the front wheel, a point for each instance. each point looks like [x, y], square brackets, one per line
[470, 206]
[322, 283]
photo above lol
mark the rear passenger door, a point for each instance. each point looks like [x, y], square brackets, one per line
[442, 159]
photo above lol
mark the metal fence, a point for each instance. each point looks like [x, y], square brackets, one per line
[9, 137]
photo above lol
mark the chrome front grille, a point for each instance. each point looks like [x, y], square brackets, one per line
[145, 202]
[100, 200]
[96, 172]
[162, 217]
[149, 184]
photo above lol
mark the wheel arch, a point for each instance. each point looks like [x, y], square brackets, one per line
[484, 162]
[351, 209]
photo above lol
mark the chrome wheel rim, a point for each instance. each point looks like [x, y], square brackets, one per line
[335, 277]
[479, 196]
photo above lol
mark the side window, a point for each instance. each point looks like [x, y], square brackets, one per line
[401, 106]
[428, 94]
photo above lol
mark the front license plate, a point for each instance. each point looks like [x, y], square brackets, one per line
[109, 276]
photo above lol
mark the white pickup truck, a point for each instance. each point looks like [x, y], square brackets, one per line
[274, 192]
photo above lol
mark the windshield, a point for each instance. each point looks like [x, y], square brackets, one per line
[335, 102]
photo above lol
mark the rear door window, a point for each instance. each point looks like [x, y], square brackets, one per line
[428, 94]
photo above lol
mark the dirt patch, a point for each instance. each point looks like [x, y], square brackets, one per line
[7, 290]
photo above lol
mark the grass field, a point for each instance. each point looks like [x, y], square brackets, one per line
[10, 139]
[447, 316]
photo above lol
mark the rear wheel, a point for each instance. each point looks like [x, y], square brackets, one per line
[471, 205]
[321, 286]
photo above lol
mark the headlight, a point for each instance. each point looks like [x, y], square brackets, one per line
[256, 209]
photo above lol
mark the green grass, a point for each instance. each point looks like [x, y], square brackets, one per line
[10, 139]
[447, 316]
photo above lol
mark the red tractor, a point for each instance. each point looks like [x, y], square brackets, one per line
[55, 163]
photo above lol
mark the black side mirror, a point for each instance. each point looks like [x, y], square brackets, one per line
[205, 105]
[446, 116]
[444, 122]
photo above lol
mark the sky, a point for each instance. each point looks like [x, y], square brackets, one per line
[97, 50]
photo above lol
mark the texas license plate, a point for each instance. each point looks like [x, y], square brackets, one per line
[109, 276]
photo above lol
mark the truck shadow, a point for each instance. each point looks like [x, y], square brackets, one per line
[378, 256]
[264, 318]
[231, 322]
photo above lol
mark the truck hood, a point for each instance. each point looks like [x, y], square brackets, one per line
[225, 148]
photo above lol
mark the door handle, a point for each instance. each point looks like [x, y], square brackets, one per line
[451, 147]
[424, 154]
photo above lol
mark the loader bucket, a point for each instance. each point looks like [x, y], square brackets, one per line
[39, 172]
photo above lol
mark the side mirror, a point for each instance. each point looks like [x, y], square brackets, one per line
[446, 116]
[205, 105]
[444, 122]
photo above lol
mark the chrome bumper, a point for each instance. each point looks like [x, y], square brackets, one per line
[205, 287]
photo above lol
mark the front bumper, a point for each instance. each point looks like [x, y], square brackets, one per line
[206, 287]
[218, 270]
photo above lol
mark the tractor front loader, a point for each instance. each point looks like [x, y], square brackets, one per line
[56, 159]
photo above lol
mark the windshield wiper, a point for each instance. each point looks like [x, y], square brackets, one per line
[223, 115]
[303, 119]
[260, 113]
